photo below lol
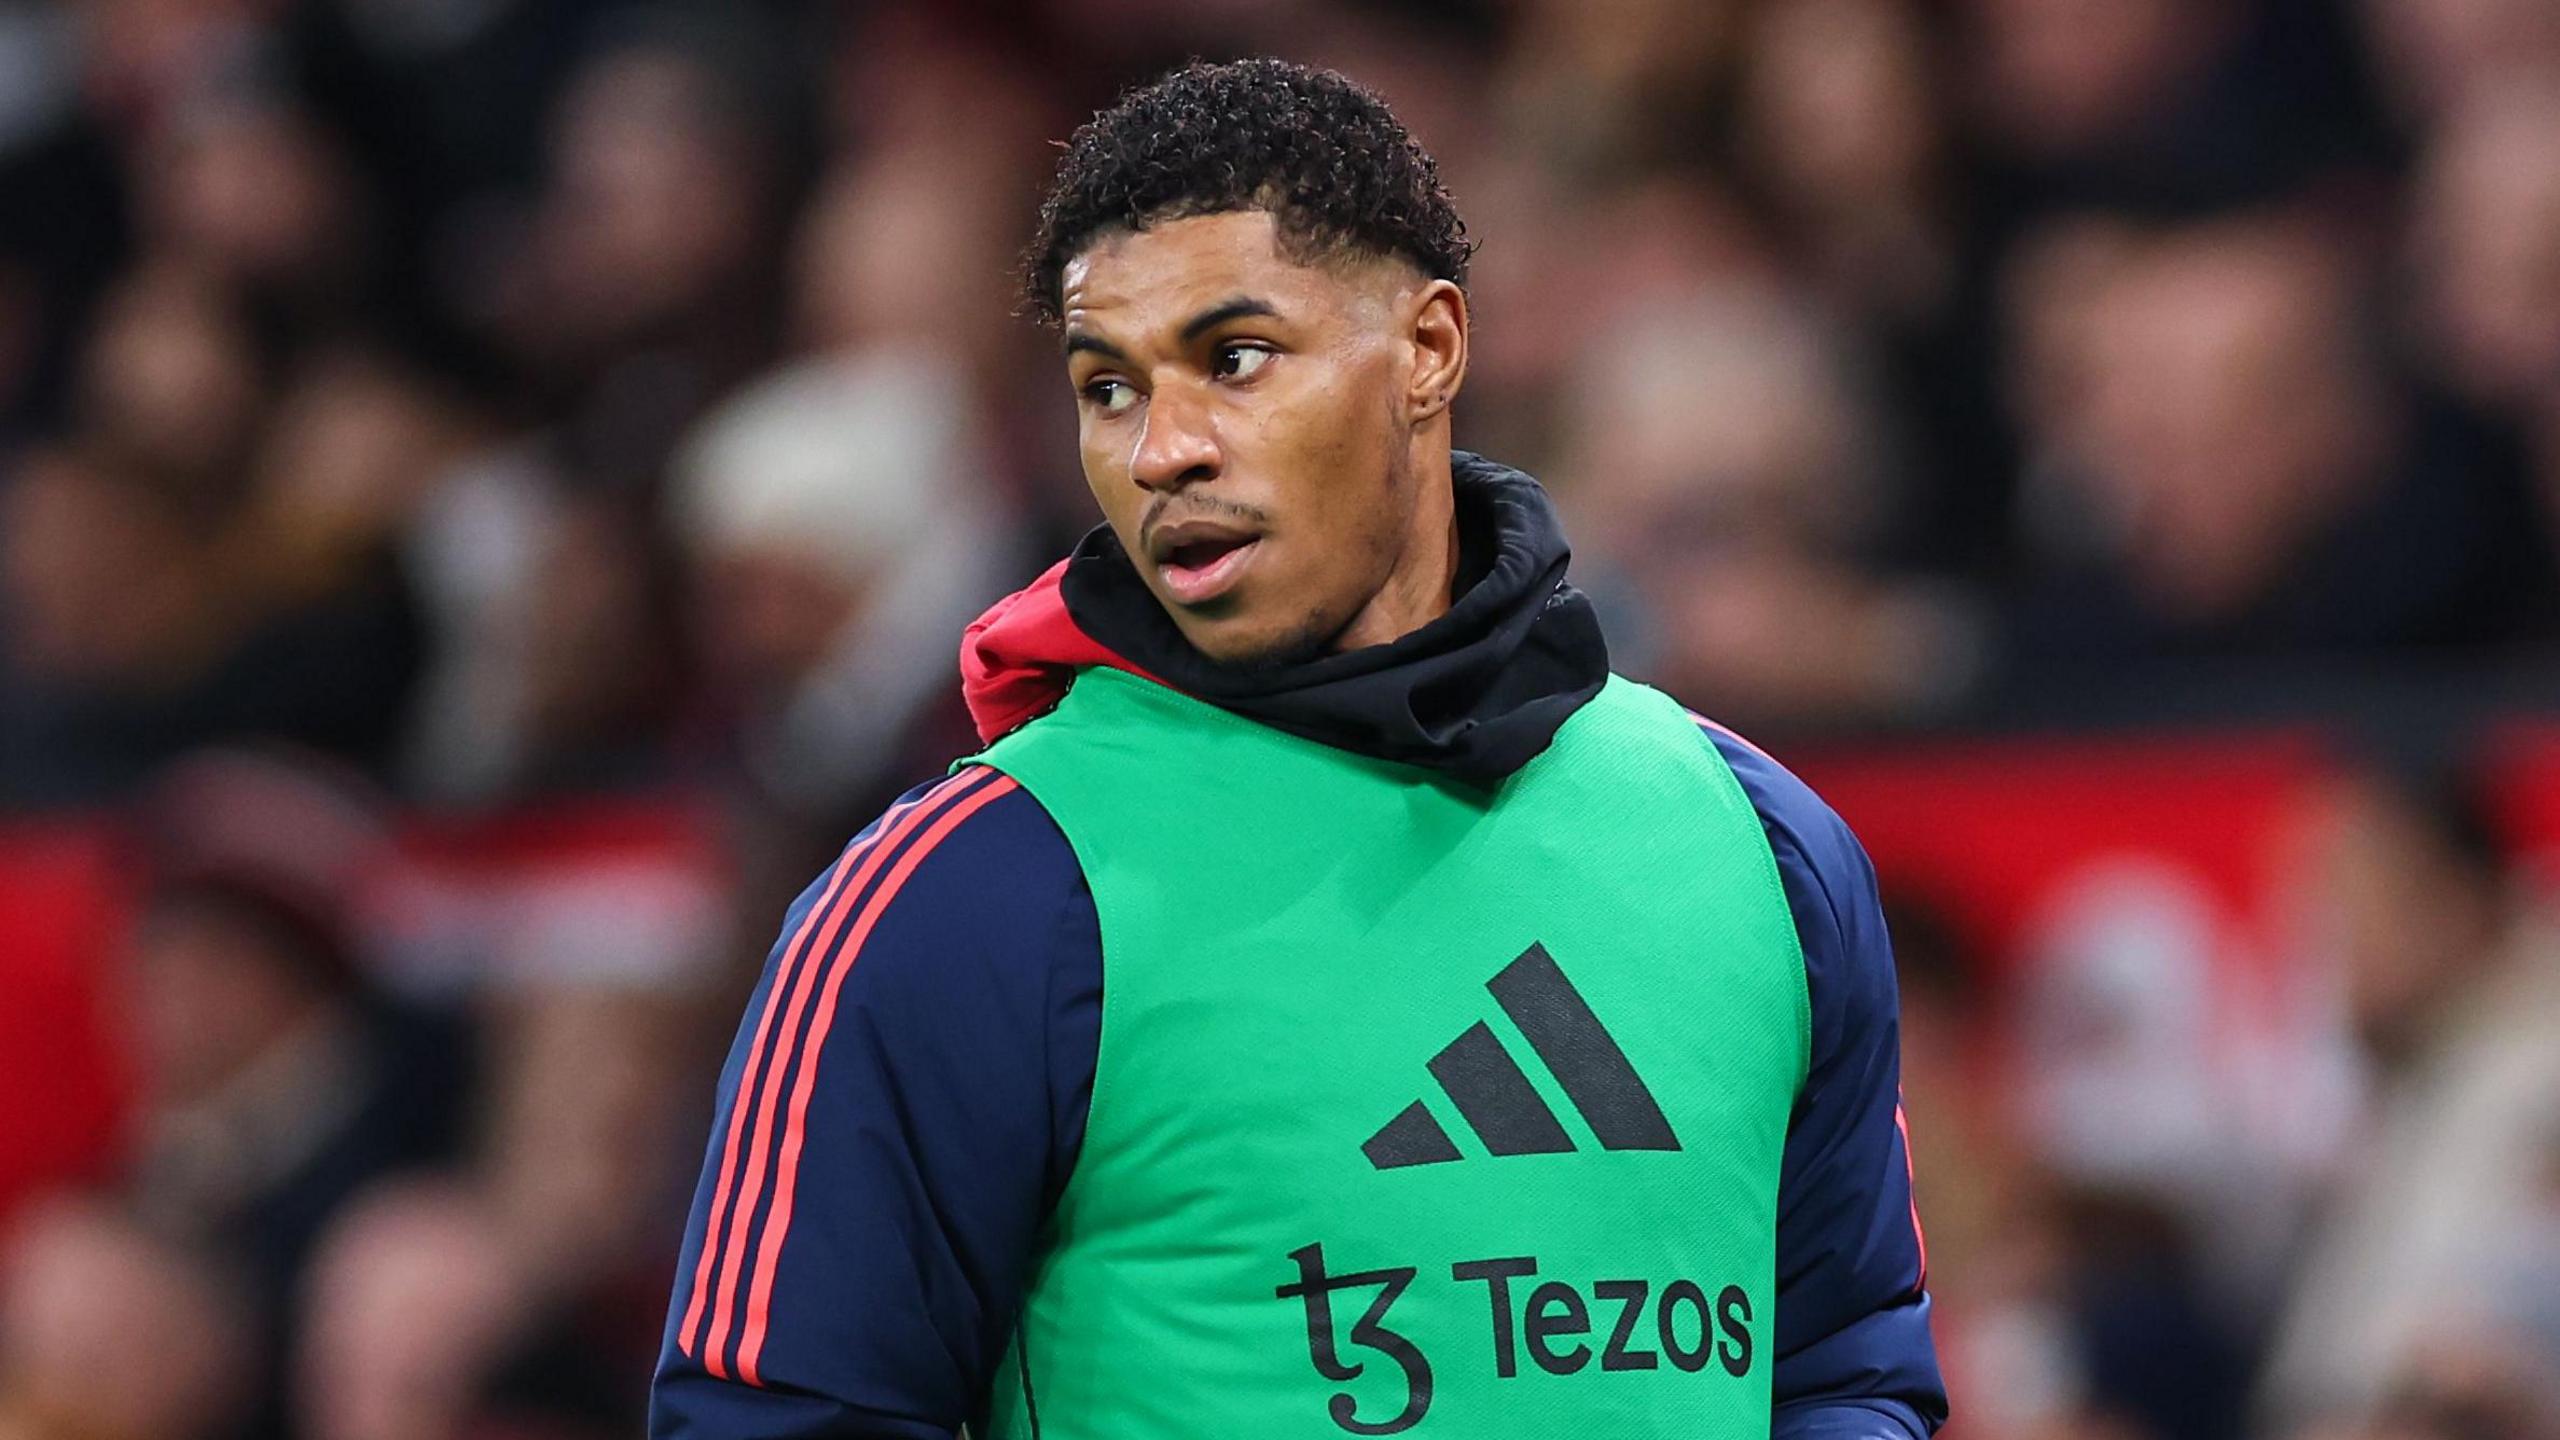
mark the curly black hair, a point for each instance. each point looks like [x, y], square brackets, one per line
[1332, 164]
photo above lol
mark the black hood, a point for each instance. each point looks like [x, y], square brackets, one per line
[1476, 693]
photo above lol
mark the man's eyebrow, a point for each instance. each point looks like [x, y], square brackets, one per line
[1239, 308]
[1079, 340]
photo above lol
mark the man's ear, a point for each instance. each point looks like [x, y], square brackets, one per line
[1438, 332]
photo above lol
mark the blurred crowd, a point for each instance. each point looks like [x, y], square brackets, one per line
[463, 407]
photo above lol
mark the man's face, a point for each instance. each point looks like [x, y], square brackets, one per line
[1248, 424]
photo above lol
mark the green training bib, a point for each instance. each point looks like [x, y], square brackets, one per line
[1419, 1110]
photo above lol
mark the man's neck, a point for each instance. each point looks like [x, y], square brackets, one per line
[1424, 581]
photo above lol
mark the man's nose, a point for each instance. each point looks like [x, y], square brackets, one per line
[1178, 443]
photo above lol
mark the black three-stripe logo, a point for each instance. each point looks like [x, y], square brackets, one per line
[1497, 1100]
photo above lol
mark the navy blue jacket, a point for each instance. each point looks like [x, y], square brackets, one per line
[937, 1115]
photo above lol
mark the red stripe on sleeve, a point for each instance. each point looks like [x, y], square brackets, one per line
[777, 1228]
[1918, 1236]
[769, 1050]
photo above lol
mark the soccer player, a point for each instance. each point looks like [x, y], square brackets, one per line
[1333, 1003]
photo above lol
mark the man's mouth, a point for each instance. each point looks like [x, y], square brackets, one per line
[1204, 569]
[1200, 560]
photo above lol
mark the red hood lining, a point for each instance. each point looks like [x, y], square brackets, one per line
[1017, 659]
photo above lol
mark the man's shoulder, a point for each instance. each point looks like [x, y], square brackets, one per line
[1813, 844]
[973, 852]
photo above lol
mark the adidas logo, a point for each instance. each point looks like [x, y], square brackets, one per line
[1497, 1101]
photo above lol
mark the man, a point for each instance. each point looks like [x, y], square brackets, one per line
[1333, 1004]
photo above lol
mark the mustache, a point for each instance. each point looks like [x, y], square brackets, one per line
[1200, 507]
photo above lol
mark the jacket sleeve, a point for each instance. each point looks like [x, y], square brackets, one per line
[1855, 1360]
[905, 1097]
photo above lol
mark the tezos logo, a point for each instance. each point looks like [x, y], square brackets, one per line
[1561, 1330]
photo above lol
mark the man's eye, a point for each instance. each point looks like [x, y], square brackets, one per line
[1110, 396]
[1235, 362]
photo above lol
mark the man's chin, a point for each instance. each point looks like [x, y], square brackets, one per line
[1234, 644]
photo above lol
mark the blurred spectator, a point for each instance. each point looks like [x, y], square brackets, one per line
[108, 587]
[2221, 465]
[352, 448]
[2079, 77]
[110, 1332]
[246, 188]
[272, 1086]
[2485, 246]
[1578, 261]
[1728, 469]
[2477, 1379]
[2149, 1167]
[584, 1170]
[1841, 119]
[519, 1294]
[411, 1302]
[175, 380]
[645, 284]
[579, 1145]
[562, 649]
[840, 533]
[1846, 127]
[2159, 107]
[2436, 55]
[1597, 88]
[907, 251]
[2454, 993]
[134, 631]
[602, 656]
